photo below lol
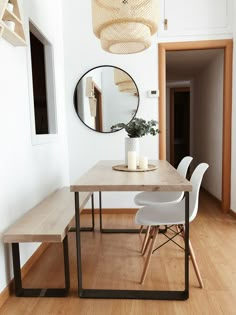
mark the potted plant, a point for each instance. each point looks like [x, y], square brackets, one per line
[136, 129]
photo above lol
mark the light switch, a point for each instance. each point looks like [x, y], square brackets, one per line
[153, 93]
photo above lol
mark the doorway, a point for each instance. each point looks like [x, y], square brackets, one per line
[227, 46]
[179, 124]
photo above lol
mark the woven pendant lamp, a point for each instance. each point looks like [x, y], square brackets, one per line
[124, 81]
[125, 26]
[128, 87]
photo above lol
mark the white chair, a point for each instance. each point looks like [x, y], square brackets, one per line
[149, 198]
[172, 214]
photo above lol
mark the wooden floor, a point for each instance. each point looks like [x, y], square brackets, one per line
[114, 261]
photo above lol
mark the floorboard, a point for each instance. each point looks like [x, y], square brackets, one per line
[114, 261]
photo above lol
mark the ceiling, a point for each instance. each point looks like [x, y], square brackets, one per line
[187, 63]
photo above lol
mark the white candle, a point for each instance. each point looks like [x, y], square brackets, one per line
[132, 160]
[143, 163]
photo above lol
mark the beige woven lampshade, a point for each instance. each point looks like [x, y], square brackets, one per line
[124, 81]
[128, 87]
[125, 26]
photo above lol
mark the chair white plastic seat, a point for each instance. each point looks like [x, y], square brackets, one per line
[166, 214]
[172, 214]
[150, 198]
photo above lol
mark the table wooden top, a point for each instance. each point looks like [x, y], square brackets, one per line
[102, 177]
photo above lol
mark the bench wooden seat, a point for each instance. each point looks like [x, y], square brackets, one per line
[49, 221]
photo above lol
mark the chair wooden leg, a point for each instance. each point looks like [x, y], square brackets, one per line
[150, 236]
[194, 262]
[195, 265]
[145, 239]
[147, 262]
[141, 229]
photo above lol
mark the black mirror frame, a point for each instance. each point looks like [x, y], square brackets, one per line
[75, 98]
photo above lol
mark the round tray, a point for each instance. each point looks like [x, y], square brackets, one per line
[124, 168]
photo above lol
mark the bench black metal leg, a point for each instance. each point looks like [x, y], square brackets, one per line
[39, 292]
[16, 268]
[66, 263]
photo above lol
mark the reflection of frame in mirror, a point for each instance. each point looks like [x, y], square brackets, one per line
[102, 99]
[91, 96]
[93, 106]
[89, 87]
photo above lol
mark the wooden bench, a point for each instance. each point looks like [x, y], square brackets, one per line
[49, 221]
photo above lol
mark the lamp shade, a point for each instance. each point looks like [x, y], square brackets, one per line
[124, 81]
[128, 87]
[125, 26]
[121, 76]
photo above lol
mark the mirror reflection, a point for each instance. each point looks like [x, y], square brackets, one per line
[105, 96]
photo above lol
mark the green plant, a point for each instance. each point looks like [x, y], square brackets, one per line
[138, 127]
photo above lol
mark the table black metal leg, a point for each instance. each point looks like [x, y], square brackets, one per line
[92, 206]
[186, 243]
[90, 229]
[100, 210]
[130, 294]
[78, 242]
[133, 294]
[105, 230]
[87, 228]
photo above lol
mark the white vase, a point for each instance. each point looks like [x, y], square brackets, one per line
[131, 144]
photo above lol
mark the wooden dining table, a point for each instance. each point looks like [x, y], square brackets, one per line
[103, 178]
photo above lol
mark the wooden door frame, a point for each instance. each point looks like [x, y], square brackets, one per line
[227, 45]
[172, 99]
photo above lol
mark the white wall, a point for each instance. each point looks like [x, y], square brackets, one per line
[83, 52]
[28, 172]
[207, 123]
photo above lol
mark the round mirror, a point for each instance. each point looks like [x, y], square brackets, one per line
[105, 96]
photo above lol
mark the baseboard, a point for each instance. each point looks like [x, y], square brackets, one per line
[9, 290]
[112, 211]
[232, 213]
[4, 295]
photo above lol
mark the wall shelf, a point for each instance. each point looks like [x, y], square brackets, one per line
[1, 30]
[16, 37]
